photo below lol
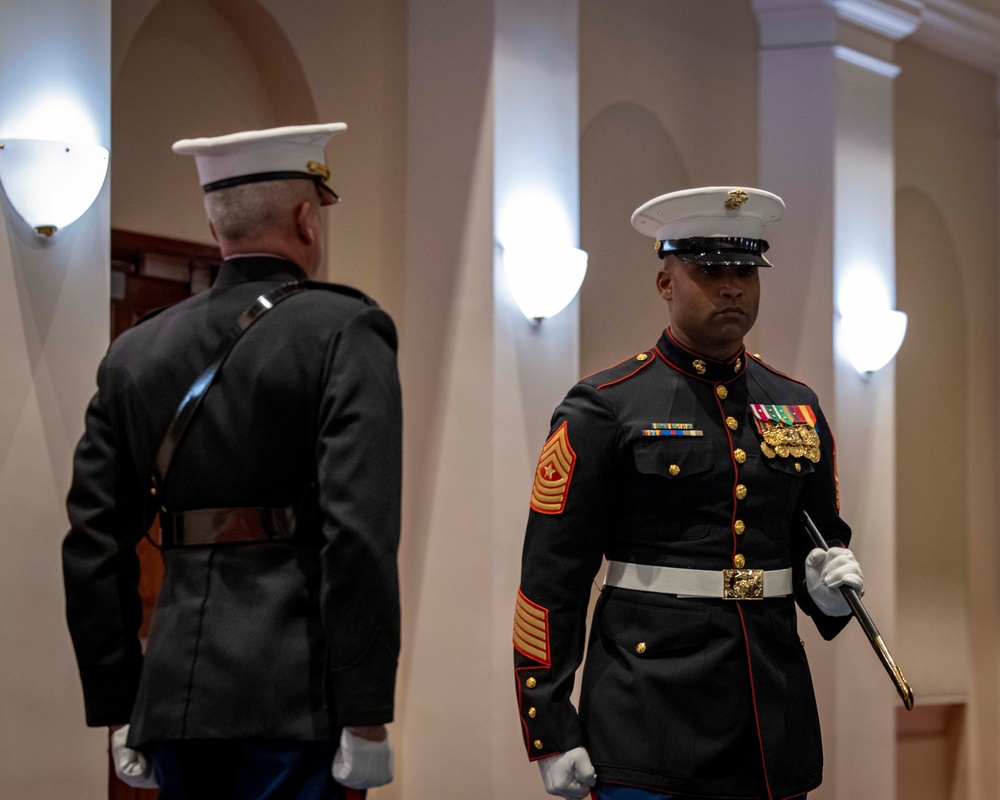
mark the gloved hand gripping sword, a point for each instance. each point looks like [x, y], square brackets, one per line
[863, 618]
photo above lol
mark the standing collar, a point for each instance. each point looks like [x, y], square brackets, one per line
[248, 269]
[698, 366]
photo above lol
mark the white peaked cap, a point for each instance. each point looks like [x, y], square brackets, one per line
[708, 212]
[272, 154]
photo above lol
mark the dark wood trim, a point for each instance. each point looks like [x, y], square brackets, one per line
[132, 244]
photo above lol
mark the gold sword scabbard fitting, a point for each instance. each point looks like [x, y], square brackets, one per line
[902, 687]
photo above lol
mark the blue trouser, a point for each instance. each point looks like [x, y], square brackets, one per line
[244, 769]
[614, 791]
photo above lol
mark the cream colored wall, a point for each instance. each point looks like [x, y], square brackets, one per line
[948, 618]
[668, 100]
[53, 331]
[194, 68]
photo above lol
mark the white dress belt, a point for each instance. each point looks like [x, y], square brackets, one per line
[727, 584]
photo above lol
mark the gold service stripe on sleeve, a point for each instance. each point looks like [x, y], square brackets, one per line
[531, 630]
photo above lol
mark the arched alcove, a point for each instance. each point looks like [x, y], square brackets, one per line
[626, 158]
[931, 459]
[193, 68]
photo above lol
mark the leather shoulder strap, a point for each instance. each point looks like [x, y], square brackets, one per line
[192, 400]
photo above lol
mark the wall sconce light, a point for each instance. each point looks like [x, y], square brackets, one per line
[51, 184]
[871, 339]
[871, 332]
[543, 279]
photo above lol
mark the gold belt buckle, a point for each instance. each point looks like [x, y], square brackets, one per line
[742, 584]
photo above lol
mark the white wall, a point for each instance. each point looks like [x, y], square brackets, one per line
[667, 101]
[53, 331]
[947, 447]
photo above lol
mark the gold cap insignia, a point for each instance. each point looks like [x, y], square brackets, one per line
[736, 198]
[657, 245]
[316, 168]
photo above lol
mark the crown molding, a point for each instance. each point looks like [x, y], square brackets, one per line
[895, 19]
[806, 22]
[961, 32]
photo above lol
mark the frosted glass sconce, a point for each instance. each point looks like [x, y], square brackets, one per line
[543, 279]
[51, 184]
[872, 338]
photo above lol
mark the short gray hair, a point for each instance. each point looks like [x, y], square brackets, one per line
[239, 212]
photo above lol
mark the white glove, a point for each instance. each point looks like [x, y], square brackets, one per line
[131, 766]
[568, 774]
[362, 764]
[826, 571]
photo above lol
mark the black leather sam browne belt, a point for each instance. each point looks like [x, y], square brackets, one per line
[215, 526]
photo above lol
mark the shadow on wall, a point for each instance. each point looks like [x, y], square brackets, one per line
[626, 158]
[193, 68]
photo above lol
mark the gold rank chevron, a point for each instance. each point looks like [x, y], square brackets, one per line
[531, 630]
[553, 473]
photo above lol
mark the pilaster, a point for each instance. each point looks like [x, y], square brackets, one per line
[492, 138]
[826, 116]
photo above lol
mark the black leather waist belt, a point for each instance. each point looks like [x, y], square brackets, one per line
[210, 526]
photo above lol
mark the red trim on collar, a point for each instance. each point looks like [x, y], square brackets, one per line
[682, 371]
[670, 335]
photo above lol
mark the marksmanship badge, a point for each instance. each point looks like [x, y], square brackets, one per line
[787, 431]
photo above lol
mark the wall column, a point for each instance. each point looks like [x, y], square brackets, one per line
[54, 324]
[826, 134]
[491, 126]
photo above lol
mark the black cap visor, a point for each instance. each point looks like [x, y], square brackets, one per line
[723, 258]
[718, 251]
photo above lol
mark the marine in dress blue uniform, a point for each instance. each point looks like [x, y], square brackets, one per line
[276, 632]
[687, 467]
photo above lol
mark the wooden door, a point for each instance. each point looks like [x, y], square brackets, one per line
[147, 273]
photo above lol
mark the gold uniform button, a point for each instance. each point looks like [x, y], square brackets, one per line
[732, 423]
[538, 744]
[674, 470]
[722, 391]
[532, 712]
[741, 492]
[738, 561]
[531, 683]
[699, 366]
[640, 648]
[739, 527]
[739, 455]
[642, 357]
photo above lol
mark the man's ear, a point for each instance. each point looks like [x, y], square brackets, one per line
[211, 227]
[303, 226]
[665, 283]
